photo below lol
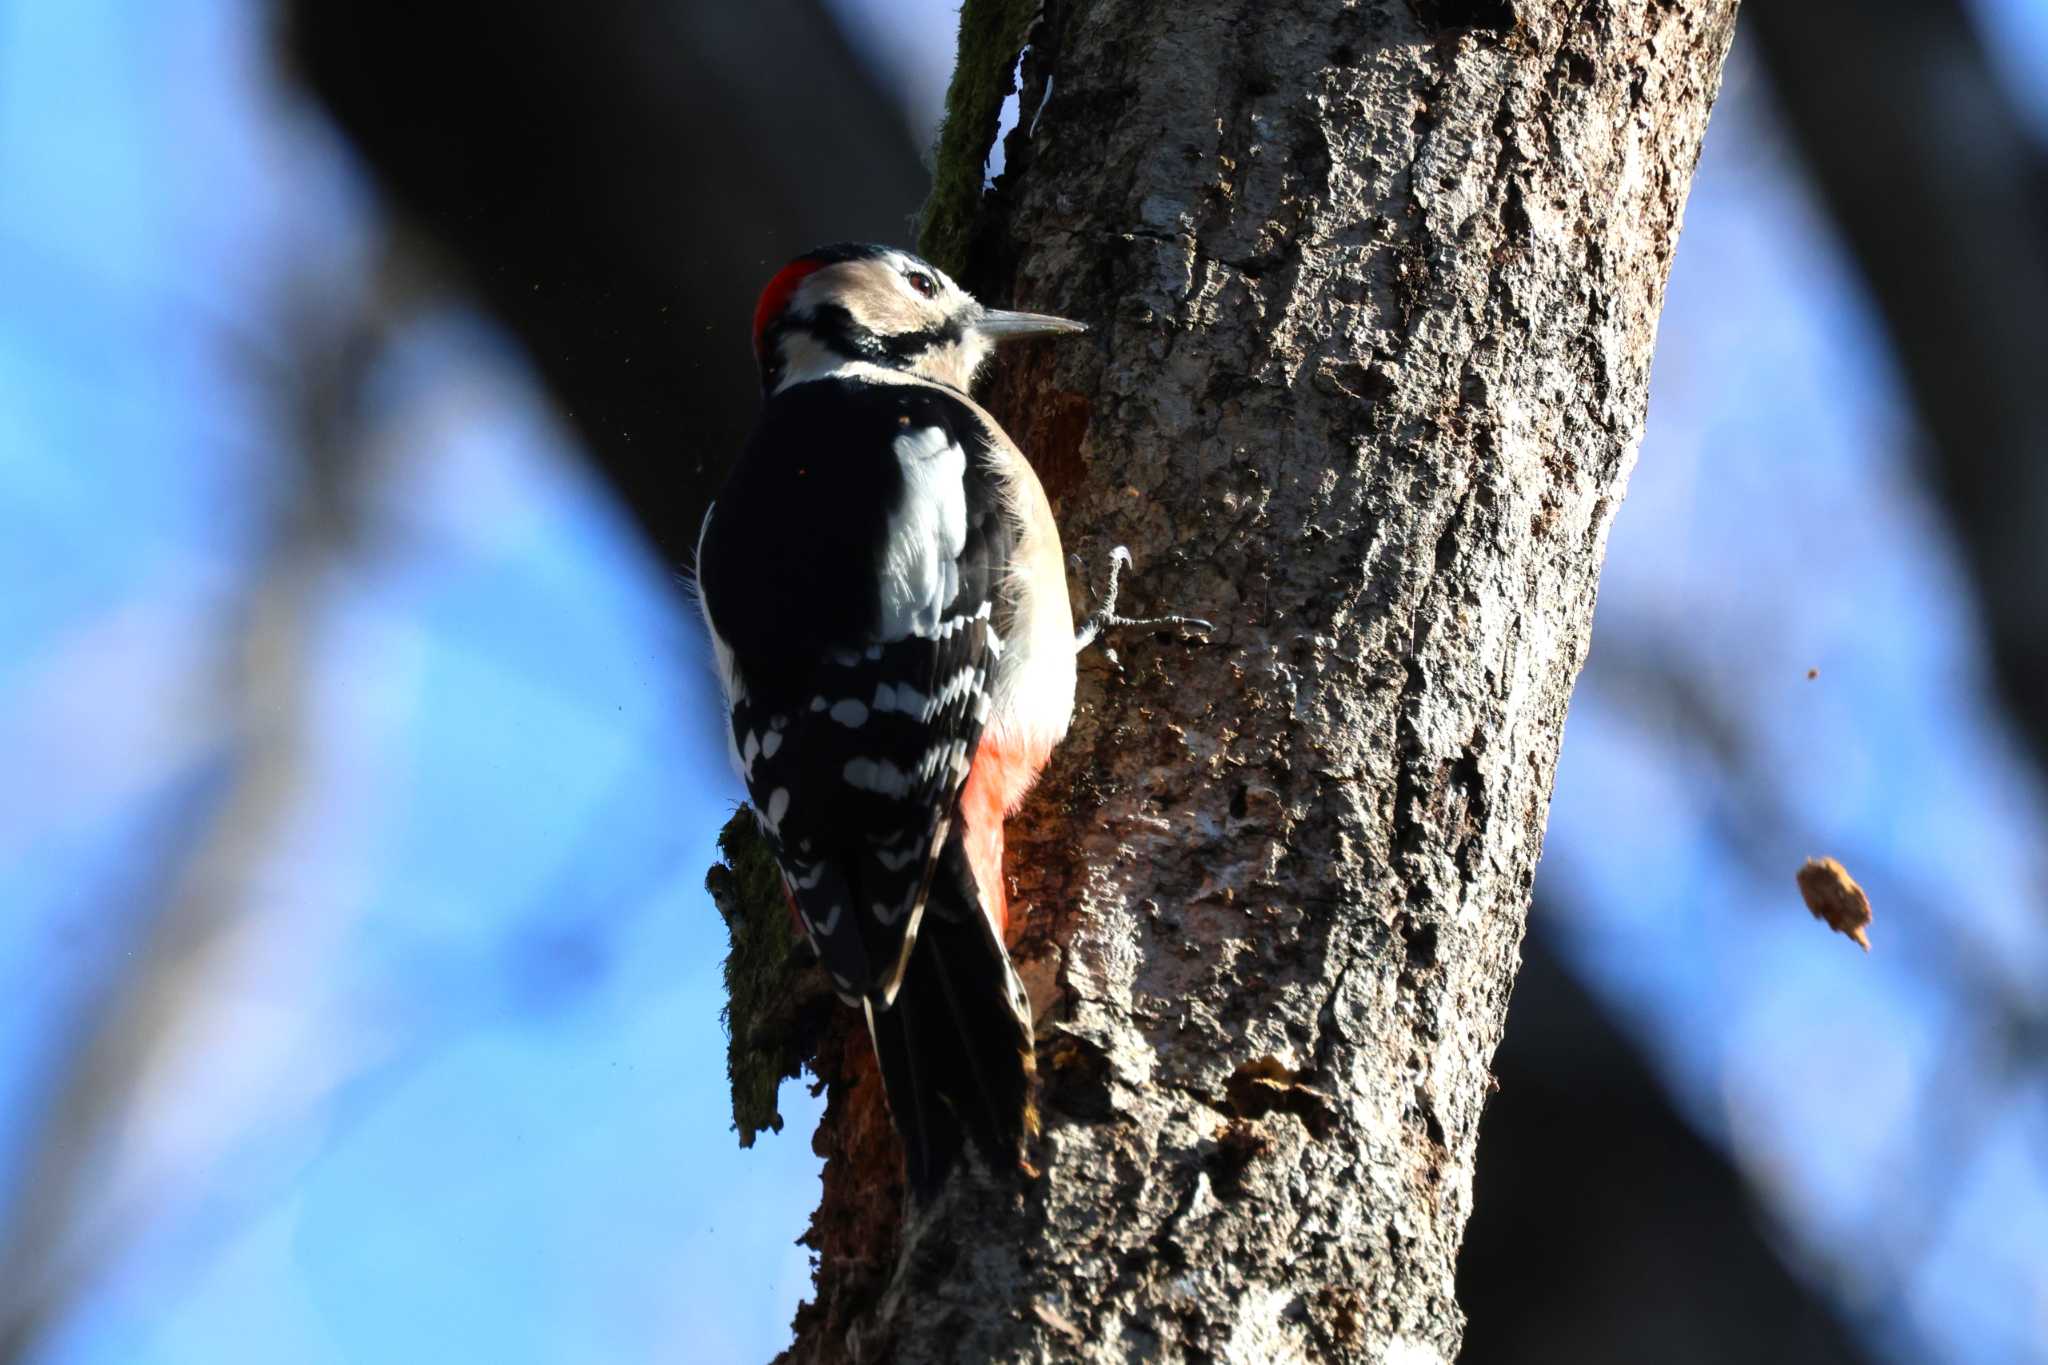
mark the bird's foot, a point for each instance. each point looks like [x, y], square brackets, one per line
[1104, 617]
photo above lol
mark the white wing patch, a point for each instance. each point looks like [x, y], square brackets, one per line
[901, 697]
[954, 688]
[769, 817]
[920, 566]
[877, 775]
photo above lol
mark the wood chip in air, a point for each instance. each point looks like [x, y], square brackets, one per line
[1835, 899]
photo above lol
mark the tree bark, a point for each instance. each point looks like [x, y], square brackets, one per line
[1375, 288]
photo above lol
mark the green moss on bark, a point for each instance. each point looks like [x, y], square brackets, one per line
[992, 33]
[772, 995]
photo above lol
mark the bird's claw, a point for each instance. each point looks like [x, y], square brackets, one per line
[1104, 617]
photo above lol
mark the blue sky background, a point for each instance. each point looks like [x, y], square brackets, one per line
[434, 1067]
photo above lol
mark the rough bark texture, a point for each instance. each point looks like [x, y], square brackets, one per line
[1375, 289]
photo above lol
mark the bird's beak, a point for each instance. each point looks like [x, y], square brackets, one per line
[1000, 324]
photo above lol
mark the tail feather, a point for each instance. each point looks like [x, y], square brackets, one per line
[955, 1048]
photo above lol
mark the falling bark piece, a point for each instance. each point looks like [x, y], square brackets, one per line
[1835, 899]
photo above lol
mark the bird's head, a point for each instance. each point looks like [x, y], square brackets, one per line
[854, 305]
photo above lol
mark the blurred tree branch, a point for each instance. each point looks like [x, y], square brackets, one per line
[69, 1214]
[615, 182]
[1557, 1036]
[1666, 1254]
[1942, 195]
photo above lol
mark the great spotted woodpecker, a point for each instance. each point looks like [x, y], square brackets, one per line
[882, 579]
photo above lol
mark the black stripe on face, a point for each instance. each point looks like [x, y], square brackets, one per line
[836, 328]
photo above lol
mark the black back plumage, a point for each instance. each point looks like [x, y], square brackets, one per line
[856, 726]
[855, 738]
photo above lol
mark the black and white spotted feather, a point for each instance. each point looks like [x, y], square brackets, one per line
[851, 571]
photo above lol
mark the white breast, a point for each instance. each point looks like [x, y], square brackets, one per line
[1033, 689]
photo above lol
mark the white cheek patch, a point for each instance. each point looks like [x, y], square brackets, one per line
[921, 558]
[804, 360]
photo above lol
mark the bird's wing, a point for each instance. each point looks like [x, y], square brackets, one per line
[868, 524]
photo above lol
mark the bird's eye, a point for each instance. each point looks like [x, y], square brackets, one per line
[923, 284]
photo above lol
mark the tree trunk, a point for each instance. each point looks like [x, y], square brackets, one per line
[1375, 288]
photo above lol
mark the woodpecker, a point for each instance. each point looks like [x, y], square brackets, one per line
[887, 602]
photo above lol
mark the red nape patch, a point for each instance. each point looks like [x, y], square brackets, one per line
[775, 297]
